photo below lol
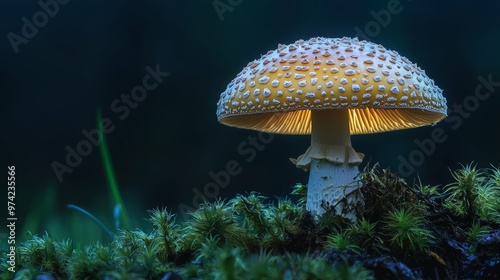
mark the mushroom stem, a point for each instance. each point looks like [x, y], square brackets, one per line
[330, 127]
[332, 164]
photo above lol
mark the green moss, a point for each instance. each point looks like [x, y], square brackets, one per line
[342, 240]
[475, 194]
[252, 237]
[405, 228]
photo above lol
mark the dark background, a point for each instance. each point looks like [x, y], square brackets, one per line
[89, 53]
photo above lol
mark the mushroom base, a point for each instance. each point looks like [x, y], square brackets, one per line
[333, 185]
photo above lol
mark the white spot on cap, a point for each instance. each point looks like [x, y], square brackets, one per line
[279, 93]
[246, 94]
[266, 102]
[381, 87]
[395, 89]
[299, 76]
[267, 92]
[341, 89]
[256, 92]
[314, 81]
[377, 78]
[364, 81]
[287, 83]
[366, 96]
[264, 80]
[289, 98]
[301, 68]
[349, 72]
[329, 84]
[311, 94]
[235, 103]
[275, 83]
[303, 83]
[342, 98]
[392, 99]
[355, 88]
[379, 96]
[343, 81]
[276, 101]
[252, 83]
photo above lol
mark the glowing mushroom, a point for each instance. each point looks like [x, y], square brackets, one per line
[331, 88]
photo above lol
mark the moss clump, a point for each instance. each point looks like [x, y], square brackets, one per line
[475, 194]
[402, 232]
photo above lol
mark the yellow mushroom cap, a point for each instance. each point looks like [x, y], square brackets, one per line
[381, 89]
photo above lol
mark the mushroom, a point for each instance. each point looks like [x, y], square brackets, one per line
[331, 88]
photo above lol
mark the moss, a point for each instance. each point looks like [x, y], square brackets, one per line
[402, 232]
[475, 194]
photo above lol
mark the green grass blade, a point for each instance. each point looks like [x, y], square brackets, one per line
[92, 217]
[110, 175]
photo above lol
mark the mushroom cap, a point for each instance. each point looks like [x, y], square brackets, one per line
[381, 89]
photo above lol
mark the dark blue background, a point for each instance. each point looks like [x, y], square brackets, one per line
[91, 52]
